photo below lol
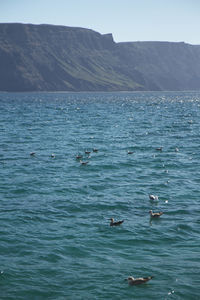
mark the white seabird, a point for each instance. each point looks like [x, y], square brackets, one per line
[153, 197]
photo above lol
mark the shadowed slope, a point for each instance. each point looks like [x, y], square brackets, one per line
[60, 58]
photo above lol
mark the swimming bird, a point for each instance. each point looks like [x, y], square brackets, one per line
[112, 223]
[155, 215]
[87, 152]
[130, 152]
[84, 162]
[95, 150]
[159, 148]
[53, 155]
[79, 156]
[136, 281]
[32, 153]
[153, 197]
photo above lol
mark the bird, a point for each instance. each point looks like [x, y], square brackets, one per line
[130, 152]
[87, 152]
[53, 155]
[136, 281]
[32, 153]
[159, 148]
[84, 162]
[79, 156]
[95, 150]
[153, 197]
[155, 215]
[112, 223]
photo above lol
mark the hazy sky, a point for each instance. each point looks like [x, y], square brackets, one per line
[127, 20]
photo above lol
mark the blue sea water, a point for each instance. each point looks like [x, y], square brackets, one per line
[55, 238]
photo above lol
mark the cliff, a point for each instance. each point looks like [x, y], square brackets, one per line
[60, 58]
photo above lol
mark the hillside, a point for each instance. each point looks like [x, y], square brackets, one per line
[60, 58]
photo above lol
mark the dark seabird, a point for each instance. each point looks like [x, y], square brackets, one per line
[112, 223]
[155, 215]
[95, 150]
[32, 153]
[79, 156]
[87, 152]
[136, 281]
[130, 152]
[84, 162]
[159, 148]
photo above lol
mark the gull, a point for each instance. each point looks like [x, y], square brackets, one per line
[140, 280]
[87, 152]
[130, 152]
[112, 223]
[155, 215]
[153, 197]
[84, 162]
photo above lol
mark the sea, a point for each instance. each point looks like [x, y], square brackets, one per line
[56, 241]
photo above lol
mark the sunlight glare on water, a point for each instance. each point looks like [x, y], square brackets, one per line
[55, 238]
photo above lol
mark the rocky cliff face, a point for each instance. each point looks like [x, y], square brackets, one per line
[164, 65]
[59, 58]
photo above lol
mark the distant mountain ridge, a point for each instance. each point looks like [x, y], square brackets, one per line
[60, 58]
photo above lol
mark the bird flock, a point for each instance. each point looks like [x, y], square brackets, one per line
[131, 280]
[153, 215]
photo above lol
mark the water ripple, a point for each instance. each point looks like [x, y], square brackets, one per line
[55, 238]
